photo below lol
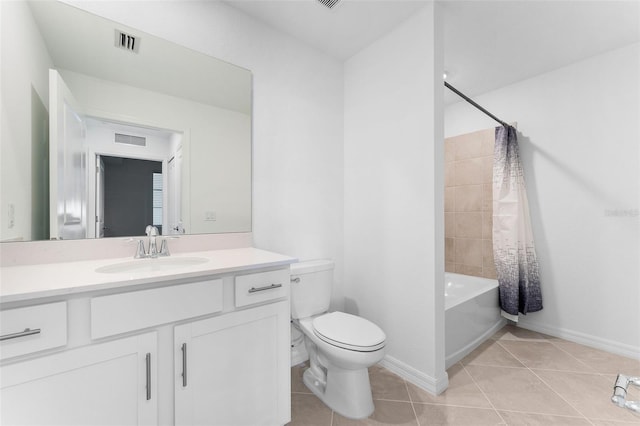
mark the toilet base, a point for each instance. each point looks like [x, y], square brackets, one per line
[347, 392]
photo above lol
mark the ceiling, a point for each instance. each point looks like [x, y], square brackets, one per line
[487, 44]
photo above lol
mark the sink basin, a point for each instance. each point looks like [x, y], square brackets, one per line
[151, 265]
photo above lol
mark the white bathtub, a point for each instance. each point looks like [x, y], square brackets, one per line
[472, 314]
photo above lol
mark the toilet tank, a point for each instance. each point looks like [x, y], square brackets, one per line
[311, 285]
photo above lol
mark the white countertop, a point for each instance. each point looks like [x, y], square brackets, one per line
[20, 283]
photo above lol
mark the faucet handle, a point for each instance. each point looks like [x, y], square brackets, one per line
[140, 252]
[164, 248]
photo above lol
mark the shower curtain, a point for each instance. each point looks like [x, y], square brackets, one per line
[513, 248]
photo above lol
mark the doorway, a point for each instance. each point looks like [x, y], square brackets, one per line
[130, 196]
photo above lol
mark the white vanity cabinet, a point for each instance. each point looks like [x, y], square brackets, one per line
[234, 369]
[204, 346]
[110, 383]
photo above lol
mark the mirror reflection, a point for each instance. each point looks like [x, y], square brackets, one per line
[106, 129]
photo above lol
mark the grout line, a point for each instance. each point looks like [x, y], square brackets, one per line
[391, 400]
[415, 414]
[545, 383]
[552, 415]
[574, 357]
[483, 393]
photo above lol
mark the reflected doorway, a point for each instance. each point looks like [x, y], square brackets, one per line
[129, 196]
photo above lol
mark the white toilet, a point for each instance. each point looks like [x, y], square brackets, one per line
[341, 346]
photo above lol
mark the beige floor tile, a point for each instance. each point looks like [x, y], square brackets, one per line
[590, 394]
[597, 422]
[297, 385]
[386, 413]
[308, 410]
[529, 419]
[491, 353]
[386, 385]
[518, 389]
[601, 361]
[461, 391]
[540, 354]
[430, 414]
[531, 378]
[512, 332]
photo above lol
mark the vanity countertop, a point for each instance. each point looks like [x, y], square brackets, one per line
[21, 283]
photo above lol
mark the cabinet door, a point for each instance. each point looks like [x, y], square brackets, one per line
[111, 383]
[234, 369]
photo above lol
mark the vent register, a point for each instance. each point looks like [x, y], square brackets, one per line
[329, 3]
[130, 139]
[127, 42]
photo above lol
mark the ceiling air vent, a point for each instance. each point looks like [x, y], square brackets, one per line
[131, 140]
[329, 3]
[127, 41]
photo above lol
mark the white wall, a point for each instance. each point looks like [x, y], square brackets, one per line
[394, 266]
[579, 131]
[297, 119]
[24, 65]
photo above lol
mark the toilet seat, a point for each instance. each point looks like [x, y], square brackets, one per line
[349, 332]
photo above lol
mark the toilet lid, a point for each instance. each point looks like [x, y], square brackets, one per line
[349, 332]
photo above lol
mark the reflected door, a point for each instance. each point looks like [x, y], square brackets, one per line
[67, 163]
[173, 204]
[99, 197]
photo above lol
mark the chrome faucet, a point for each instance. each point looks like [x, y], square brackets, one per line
[152, 233]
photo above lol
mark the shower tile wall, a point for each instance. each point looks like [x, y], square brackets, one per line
[468, 204]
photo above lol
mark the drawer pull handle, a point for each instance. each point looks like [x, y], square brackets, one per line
[26, 332]
[184, 365]
[148, 362]
[266, 287]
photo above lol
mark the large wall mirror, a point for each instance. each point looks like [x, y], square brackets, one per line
[106, 129]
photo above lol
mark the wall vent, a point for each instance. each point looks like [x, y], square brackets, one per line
[127, 41]
[130, 140]
[329, 3]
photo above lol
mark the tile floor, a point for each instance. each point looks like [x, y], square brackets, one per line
[518, 377]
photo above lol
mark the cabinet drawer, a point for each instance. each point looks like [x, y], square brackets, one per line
[261, 287]
[123, 312]
[32, 329]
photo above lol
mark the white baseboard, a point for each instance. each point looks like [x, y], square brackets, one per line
[418, 378]
[583, 339]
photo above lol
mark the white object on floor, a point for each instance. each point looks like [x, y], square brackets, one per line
[620, 392]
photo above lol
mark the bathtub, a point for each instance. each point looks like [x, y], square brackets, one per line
[472, 314]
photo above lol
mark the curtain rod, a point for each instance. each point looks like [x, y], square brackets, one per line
[472, 102]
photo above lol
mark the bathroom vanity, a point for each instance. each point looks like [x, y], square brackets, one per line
[203, 340]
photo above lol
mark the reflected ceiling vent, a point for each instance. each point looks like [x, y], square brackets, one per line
[127, 41]
[131, 140]
[329, 3]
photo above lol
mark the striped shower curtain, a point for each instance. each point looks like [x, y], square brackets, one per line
[513, 248]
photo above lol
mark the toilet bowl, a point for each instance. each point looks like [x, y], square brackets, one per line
[341, 347]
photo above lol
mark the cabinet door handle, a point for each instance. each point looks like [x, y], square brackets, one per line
[184, 365]
[26, 332]
[148, 362]
[266, 287]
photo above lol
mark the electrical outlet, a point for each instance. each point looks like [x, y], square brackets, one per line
[210, 216]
